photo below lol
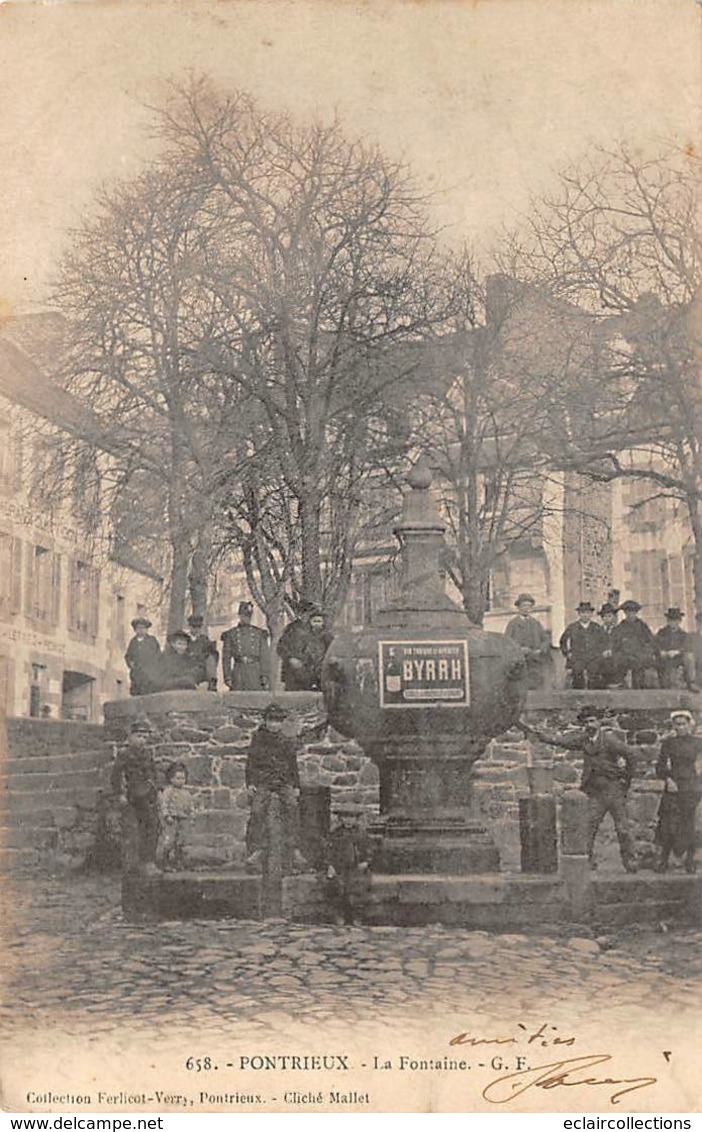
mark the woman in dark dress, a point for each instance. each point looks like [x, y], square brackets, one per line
[677, 766]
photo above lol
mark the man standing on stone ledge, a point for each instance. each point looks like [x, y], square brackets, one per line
[245, 654]
[203, 653]
[676, 653]
[142, 659]
[271, 769]
[608, 770]
[133, 781]
[301, 649]
[534, 641]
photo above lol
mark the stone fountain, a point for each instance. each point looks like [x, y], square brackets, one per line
[423, 691]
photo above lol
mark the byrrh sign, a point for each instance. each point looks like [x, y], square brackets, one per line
[419, 673]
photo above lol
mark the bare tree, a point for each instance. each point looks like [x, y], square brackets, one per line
[323, 266]
[619, 235]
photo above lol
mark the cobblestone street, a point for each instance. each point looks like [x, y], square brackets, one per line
[74, 960]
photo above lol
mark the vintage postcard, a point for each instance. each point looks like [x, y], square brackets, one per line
[350, 556]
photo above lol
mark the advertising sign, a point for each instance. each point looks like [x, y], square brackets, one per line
[418, 673]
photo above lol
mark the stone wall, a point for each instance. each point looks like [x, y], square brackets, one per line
[57, 777]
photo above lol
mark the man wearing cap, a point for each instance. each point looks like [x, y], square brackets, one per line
[133, 780]
[676, 655]
[677, 766]
[534, 641]
[608, 770]
[176, 670]
[142, 659]
[245, 654]
[633, 646]
[581, 644]
[203, 653]
[606, 669]
[271, 769]
[302, 647]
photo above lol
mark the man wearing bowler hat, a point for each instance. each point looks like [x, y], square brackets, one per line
[203, 653]
[245, 654]
[534, 641]
[633, 646]
[582, 644]
[608, 673]
[676, 653]
[142, 659]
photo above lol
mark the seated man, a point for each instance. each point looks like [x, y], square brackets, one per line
[676, 653]
[301, 649]
[176, 669]
[582, 645]
[634, 647]
[203, 653]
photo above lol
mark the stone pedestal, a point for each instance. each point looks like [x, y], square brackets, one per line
[537, 832]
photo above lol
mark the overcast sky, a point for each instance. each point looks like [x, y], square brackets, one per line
[485, 98]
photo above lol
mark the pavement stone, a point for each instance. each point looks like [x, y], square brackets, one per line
[73, 960]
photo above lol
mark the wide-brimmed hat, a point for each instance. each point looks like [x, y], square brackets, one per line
[178, 635]
[608, 608]
[525, 597]
[674, 614]
[630, 605]
[585, 607]
[141, 621]
[274, 711]
[141, 724]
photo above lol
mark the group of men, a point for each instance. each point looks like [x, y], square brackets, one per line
[190, 659]
[610, 653]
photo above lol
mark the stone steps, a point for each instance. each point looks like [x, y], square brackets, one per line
[34, 802]
[78, 761]
[28, 836]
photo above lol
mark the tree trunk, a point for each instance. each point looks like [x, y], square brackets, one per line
[199, 572]
[310, 507]
[179, 582]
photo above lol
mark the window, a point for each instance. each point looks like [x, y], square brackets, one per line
[644, 513]
[649, 576]
[83, 599]
[43, 584]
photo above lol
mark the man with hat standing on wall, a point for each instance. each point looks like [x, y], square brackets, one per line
[676, 654]
[203, 653]
[271, 769]
[633, 646]
[301, 649]
[245, 654]
[142, 659]
[608, 673]
[133, 781]
[582, 644]
[534, 641]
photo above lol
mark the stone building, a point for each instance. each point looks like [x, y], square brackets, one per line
[66, 599]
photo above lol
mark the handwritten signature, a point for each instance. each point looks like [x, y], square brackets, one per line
[558, 1073]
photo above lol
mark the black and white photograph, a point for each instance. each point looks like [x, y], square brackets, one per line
[351, 556]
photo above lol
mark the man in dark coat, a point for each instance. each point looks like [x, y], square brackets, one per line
[676, 653]
[582, 644]
[142, 659]
[246, 654]
[301, 649]
[133, 780]
[534, 641]
[633, 646]
[608, 770]
[203, 653]
[607, 671]
[271, 769]
[677, 766]
[176, 669]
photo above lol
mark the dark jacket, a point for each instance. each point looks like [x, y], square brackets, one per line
[245, 658]
[272, 761]
[200, 649]
[301, 641]
[607, 760]
[633, 644]
[678, 760]
[529, 633]
[142, 659]
[583, 646]
[176, 671]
